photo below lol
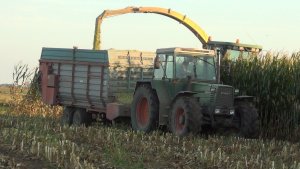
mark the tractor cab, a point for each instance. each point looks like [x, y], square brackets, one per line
[185, 63]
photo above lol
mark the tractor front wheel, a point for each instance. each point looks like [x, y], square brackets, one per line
[247, 117]
[144, 109]
[185, 117]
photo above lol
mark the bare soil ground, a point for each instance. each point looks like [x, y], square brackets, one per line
[11, 158]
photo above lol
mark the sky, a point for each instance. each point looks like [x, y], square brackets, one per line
[27, 26]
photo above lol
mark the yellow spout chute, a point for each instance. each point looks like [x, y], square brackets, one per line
[191, 25]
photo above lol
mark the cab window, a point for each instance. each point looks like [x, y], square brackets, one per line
[170, 66]
[166, 67]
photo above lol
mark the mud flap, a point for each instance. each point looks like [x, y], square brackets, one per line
[115, 110]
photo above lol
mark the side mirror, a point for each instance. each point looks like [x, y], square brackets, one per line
[157, 63]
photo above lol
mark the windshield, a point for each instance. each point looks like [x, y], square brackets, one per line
[197, 67]
[235, 54]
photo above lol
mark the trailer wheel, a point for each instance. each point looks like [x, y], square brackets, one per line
[67, 116]
[185, 117]
[144, 109]
[80, 117]
[247, 118]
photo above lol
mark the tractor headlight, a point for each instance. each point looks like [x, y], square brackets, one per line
[231, 112]
[217, 111]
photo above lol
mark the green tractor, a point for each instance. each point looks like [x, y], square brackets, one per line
[185, 94]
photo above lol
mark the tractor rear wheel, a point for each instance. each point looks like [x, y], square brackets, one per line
[247, 117]
[144, 109]
[80, 117]
[185, 117]
[67, 116]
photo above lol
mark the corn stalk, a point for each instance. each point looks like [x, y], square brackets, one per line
[274, 81]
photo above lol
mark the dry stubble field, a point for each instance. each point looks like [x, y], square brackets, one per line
[29, 140]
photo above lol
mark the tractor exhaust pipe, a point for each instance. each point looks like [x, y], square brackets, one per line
[218, 66]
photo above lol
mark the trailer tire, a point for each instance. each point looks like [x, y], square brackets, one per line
[67, 116]
[247, 118]
[185, 116]
[81, 117]
[144, 109]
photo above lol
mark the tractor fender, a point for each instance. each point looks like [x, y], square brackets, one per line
[183, 93]
[138, 83]
[145, 82]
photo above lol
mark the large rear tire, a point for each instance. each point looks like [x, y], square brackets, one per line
[247, 117]
[67, 116]
[186, 116]
[144, 109]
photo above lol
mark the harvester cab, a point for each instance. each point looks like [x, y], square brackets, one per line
[185, 95]
[233, 51]
[229, 53]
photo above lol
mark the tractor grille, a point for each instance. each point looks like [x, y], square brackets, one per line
[224, 97]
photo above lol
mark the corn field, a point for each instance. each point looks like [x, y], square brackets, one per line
[274, 81]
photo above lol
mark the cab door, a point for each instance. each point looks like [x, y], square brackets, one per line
[164, 86]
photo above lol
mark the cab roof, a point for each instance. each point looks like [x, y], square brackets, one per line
[188, 51]
[234, 46]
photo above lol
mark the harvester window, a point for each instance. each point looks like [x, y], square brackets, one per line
[236, 54]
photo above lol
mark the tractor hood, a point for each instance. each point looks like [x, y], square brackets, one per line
[204, 87]
[221, 96]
